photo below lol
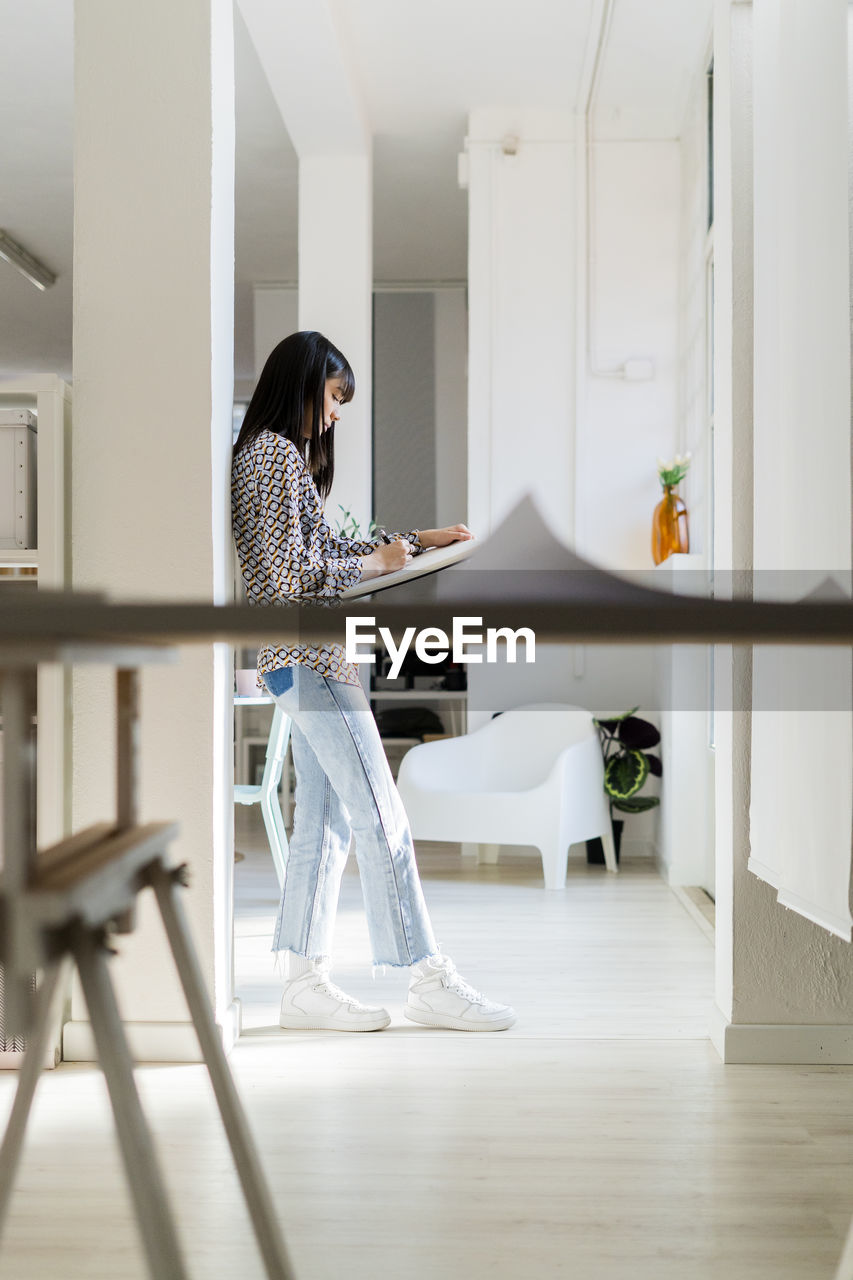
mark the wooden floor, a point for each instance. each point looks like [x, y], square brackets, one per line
[599, 1139]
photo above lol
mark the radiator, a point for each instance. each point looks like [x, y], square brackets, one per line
[11, 1047]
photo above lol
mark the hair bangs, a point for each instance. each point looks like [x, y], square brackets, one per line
[337, 366]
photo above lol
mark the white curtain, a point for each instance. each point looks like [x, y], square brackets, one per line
[802, 730]
[801, 810]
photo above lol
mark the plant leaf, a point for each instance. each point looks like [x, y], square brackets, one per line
[614, 720]
[655, 766]
[637, 733]
[639, 804]
[625, 773]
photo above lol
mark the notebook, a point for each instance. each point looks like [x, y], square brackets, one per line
[429, 561]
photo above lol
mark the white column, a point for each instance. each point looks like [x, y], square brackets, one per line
[521, 290]
[522, 286]
[335, 296]
[309, 69]
[153, 379]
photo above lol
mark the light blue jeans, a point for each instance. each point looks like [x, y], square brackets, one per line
[344, 785]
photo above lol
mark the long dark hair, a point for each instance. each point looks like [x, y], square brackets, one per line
[294, 377]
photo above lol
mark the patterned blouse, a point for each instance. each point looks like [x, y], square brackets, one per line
[286, 548]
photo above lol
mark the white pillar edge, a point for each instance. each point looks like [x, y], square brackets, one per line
[222, 251]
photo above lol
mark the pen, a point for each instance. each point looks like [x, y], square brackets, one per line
[384, 536]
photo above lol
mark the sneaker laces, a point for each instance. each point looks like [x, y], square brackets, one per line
[455, 982]
[331, 989]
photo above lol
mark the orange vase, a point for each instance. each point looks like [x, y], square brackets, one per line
[669, 527]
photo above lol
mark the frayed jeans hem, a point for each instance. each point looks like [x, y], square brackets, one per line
[379, 966]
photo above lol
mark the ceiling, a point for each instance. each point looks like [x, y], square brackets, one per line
[419, 69]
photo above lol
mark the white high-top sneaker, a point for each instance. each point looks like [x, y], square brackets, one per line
[440, 997]
[312, 1003]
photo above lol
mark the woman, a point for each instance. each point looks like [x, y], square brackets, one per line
[282, 469]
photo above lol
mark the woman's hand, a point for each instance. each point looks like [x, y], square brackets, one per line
[387, 558]
[444, 537]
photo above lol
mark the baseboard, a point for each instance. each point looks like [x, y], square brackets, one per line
[795, 1044]
[10, 1061]
[152, 1041]
[231, 1024]
[639, 849]
[698, 906]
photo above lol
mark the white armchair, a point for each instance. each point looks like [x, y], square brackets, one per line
[533, 775]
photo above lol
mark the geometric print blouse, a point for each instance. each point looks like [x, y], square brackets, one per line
[286, 548]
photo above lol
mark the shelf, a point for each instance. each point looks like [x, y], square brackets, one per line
[455, 701]
[12, 558]
[50, 398]
[418, 695]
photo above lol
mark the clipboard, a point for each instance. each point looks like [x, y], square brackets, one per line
[429, 561]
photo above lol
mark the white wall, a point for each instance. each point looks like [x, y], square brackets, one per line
[693, 308]
[522, 297]
[593, 470]
[634, 314]
[633, 267]
[521, 290]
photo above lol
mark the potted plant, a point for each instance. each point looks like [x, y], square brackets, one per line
[348, 527]
[670, 535]
[625, 743]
